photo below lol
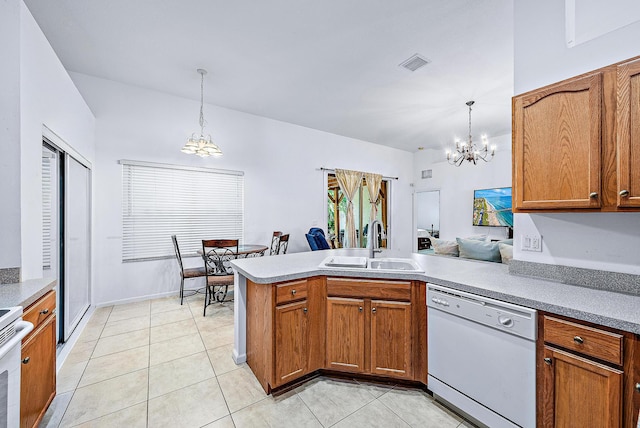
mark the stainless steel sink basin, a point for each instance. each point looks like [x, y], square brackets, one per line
[363, 263]
[406, 265]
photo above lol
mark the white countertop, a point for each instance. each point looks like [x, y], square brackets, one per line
[617, 310]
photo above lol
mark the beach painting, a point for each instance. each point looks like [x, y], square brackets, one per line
[492, 207]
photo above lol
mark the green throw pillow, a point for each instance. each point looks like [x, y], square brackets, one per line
[479, 250]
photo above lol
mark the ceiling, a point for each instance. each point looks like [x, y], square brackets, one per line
[331, 65]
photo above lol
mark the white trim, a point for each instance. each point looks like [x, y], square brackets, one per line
[139, 298]
[181, 167]
[56, 140]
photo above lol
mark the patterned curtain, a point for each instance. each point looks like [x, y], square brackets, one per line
[374, 182]
[349, 182]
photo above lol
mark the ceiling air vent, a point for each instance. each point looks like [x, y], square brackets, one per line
[415, 62]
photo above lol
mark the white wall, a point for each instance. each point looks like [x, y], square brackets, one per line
[10, 134]
[427, 204]
[456, 185]
[283, 184]
[47, 97]
[607, 241]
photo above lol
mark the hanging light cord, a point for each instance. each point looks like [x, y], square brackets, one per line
[202, 103]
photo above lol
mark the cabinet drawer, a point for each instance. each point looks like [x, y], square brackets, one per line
[375, 289]
[291, 291]
[38, 312]
[591, 341]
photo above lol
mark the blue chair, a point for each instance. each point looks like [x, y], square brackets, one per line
[316, 239]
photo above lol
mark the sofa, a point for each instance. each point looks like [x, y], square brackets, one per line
[475, 247]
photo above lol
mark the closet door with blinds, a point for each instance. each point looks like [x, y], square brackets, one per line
[77, 245]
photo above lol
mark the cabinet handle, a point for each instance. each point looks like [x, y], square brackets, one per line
[373, 310]
[547, 361]
[360, 308]
[578, 340]
[44, 311]
[593, 195]
[305, 310]
[638, 387]
[26, 360]
[293, 292]
[624, 193]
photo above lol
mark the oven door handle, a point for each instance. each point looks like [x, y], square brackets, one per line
[22, 329]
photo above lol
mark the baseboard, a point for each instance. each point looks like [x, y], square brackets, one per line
[137, 299]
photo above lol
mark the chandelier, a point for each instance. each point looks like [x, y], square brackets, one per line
[467, 150]
[201, 145]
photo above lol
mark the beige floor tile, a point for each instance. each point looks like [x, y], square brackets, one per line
[127, 314]
[175, 348]
[91, 333]
[173, 330]
[225, 422]
[285, 411]
[69, 376]
[113, 365]
[222, 359]
[370, 416]
[81, 352]
[193, 406]
[125, 326]
[216, 337]
[377, 388]
[121, 342]
[131, 417]
[168, 317]
[176, 374]
[100, 315]
[103, 398]
[54, 413]
[167, 304]
[331, 400]
[216, 316]
[418, 409]
[240, 388]
[142, 306]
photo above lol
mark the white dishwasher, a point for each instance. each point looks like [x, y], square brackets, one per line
[481, 356]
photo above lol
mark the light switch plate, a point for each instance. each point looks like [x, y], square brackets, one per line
[531, 243]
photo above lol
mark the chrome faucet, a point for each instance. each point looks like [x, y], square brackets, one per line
[374, 236]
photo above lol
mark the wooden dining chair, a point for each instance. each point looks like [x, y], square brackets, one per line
[275, 243]
[217, 255]
[284, 244]
[185, 273]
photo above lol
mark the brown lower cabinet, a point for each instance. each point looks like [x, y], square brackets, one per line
[38, 368]
[359, 326]
[587, 375]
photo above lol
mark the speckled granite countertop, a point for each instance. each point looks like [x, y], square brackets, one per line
[24, 293]
[617, 310]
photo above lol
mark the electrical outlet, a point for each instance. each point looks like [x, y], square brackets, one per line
[531, 243]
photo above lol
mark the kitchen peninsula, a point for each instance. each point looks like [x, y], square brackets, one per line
[274, 296]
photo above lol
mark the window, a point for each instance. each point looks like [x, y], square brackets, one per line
[337, 211]
[193, 203]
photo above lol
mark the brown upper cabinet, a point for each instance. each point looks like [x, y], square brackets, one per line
[575, 143]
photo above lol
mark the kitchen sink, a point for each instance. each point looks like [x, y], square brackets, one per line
[394, 265]
[364, 264]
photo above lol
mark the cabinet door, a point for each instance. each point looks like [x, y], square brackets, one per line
[556, 146]
[391, 338]
[38, 373]
[345, 334]
[291, 334]
[628, 134]
[579, 392]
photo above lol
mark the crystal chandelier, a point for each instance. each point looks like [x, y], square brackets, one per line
[201, 145]
[467, 150]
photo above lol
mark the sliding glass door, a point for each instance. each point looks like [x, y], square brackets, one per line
[66, 231]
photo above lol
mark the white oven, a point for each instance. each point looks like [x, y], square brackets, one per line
[12, 330]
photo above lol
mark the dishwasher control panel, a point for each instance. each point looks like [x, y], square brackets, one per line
[504, 316]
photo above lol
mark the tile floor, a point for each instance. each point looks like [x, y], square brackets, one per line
[159, 364]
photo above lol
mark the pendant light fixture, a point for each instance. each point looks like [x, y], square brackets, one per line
[201, 145]
[467, 150]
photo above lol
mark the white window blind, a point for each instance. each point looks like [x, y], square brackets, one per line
[47, 207]
[193, 203]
